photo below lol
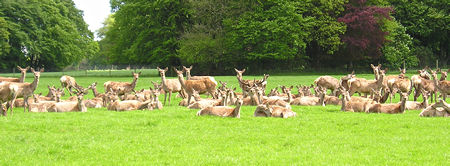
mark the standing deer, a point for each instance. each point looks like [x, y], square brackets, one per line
[170, 85]
[68, 82]
[189, 77]
[122, 87]
[24, 90]
[23, 72]
[201, 86]
[442, 86]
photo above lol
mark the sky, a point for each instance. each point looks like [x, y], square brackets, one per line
[95, 12]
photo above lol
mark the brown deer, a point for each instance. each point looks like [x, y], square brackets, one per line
[273, 111]
[389, 108]
[224, 111]
[69, 106]
[23, 72]
[24, 90]
[201, 86]
[440, 108]
[189, 77]
[328, 82]
[203, 103]
[365, 86]
[353, 103]
[68, 82]
[416, 81]
[442, 86]
[122, 87]
[170, 85]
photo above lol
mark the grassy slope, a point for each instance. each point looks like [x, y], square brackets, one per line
[174, 135]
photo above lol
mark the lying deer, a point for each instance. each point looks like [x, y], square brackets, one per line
[440, 108]
[389, 108]
[122, 87]
[69, 106]
[224, 111]
[23, 72]
[273, 111]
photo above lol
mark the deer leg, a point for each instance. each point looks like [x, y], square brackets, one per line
[25, 106]
[170, 96]
[165, 97]
[189, 99]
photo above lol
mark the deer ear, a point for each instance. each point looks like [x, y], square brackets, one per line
[158, 68]
[371, 65]
[190, 68]
[243, 70]
[32, 70]
[42, 70]
[139, 73]
[167, 68]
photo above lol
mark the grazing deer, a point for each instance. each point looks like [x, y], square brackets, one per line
[389, 108]
[328, 82]
[442, 86]
[23, 73]
[224, 111]
[273, 111]
[122, 87]
[170, 85]
[201, 86]
[440, 108]
[68, 82]
[69, 106]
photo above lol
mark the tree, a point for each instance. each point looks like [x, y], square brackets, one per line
[48, 33]
[147, 32]
[397, 51]
[364, 37]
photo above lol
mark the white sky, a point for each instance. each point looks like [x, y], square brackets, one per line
[95, 12]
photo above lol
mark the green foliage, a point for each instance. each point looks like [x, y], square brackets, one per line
[145, 32]
[398, 48]
[4, 39]
[46, 33]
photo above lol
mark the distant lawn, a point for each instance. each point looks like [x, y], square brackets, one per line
[174, 135]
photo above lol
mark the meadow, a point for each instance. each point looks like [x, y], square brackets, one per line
[175, 136]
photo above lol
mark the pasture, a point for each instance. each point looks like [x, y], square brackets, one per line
[174, 135]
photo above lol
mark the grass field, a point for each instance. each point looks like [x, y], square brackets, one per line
[175, 136]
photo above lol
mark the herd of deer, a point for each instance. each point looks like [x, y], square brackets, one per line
[121, 96]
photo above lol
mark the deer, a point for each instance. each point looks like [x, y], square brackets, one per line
[203, 103]
[201, 86]
[155, 103]
[69, 106]
[223, 111]
[41, 106]
[24, 90]
[68, 82]
[277, 100]
[23, 72]
[440, 108]
[189, 77]
[170, 85]
[414, 105]
[253, 98]
[416, 81]
[365, 86]
[273, 111]
[122, 87]
[324, 99]
[328, 82]
[389, 108]
[401, 84]
[353, 103]
[128, 105]
[443, 86]
[262, 83]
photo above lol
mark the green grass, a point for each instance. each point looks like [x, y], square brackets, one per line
[174, 135]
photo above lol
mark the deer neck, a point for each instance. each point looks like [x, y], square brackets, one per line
[402, 106]
[236, 111]
[133, 84]
[289, 97]
[344, 102]
[94, 90]
[254, 99]
[34, 83]
[81, 106]
[181, 79]
[22, 77]
[188, 75]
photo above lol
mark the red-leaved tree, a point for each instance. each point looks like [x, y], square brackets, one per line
[364, 36]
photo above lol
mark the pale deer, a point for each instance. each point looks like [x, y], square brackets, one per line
[170, 85]
[23, 72]
[442, 86]
[389, 108]
[201, 86]
[24, 90]
[122, 87]
[224, 111]
[328, 82]
[69, 106]
[68, 82]
[440, 108]
[273, 111]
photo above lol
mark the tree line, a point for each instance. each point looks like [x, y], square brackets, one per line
[218, 35]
